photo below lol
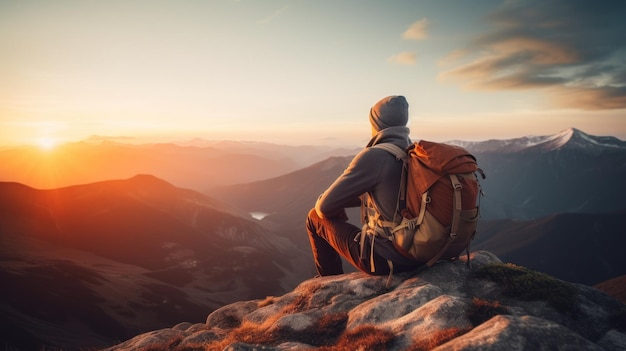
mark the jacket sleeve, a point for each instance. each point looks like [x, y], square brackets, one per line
[360, 177]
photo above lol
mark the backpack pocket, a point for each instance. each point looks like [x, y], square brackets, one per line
[467, 230]
[429, 239]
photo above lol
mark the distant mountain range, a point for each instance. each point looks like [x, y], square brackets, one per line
[111, 259]
[533, 177]
[197, 164]
[576, 247]
[118, 257]
[568, 186]
[571, 139]
[527, 178]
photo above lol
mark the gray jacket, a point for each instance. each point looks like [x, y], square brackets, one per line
[373, 171]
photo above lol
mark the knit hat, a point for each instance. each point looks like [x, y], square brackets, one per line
[392, 111]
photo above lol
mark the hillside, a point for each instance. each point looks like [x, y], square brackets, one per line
[527, 178]
[549, 201]
[581, 248]
[533, 177]
[112, 259]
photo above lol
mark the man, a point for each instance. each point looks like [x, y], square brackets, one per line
[373, 171]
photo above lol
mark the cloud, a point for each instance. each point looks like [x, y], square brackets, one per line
[275, 14]
[593, 98]
[573, 49]
[403, 58]
[417, 30]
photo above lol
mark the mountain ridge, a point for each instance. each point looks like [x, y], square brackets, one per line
[186, 166]
[581, 248]
[115, 258]
[173, 253]
[571, 138]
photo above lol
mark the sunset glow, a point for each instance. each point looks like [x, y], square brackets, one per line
[47, 143]
[303, 72]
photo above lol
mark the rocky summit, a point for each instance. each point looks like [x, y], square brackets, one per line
[489, 305]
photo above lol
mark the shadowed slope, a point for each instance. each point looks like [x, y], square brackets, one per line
[108, 260]
[583, 248]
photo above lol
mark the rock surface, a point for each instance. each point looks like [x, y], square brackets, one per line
[492, 306]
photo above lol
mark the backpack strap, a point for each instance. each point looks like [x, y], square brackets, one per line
[401, 155]
[372, 223]
[425, 201]
[394, 149]
[456, 218]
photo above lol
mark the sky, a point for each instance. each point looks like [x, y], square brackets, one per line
[307, 72]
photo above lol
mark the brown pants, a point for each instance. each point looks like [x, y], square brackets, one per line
[332, 239]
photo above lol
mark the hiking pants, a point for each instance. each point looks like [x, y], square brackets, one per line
[334, 238]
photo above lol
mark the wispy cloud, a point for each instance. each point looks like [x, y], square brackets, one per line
[417, 31]
[403, 58]
[275, 14]
[573, 49]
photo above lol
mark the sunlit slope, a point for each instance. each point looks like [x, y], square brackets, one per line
[185, 166]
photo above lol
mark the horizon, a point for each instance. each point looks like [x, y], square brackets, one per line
[53, 166]
[305, 73]
[47, 145]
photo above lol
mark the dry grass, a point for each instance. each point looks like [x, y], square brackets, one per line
[247, 332]
[324, 332]
[481, 310]
[269, 300]
[299, 304]
[438, 338]
[364, 338]
[615, 287]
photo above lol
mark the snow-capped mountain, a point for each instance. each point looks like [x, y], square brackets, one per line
[527, 178]
[571, 139]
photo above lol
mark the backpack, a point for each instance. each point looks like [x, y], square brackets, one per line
[438, 203]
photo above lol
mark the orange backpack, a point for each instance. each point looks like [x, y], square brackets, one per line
[438, 207]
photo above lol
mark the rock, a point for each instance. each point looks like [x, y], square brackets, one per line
[492, 306]
[519, 333]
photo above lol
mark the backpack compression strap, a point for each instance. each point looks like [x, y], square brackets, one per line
[456, 217]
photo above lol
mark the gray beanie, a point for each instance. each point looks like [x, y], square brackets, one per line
[392, 111]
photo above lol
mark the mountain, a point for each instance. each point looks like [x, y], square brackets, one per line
[527, 178]
[286, 199]
[534, 177]
[295, 189]
[571, 138]
[198, 165]
[111, 259]
[493, 306]
[303, 155]
[581, 248]
[546, 197]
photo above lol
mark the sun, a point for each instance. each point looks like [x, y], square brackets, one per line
[47, 143]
